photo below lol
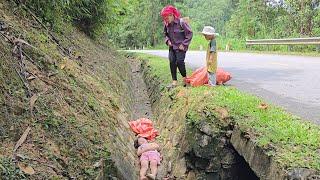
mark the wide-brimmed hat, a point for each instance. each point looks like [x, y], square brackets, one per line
[209, 30]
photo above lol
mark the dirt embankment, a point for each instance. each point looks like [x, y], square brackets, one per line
[75, 96]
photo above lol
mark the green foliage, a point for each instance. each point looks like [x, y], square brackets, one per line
[142, 25]
[215, 13]
[8, 170]
[50, 11]
[274, 19]
[92, 17]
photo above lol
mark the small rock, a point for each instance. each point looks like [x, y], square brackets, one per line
[180, 167]
[191, 176]
[175, 141]
[229, 133]
[300, 174]
[263, 106]
[206, 128]
[223, 142]
[204, 141]
[246, 135]
[3, 26]
[222, 112]
[214, 165]
[169, 167]
[228, 157]
[98, 164]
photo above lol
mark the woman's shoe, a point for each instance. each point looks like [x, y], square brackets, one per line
[184, 82]
[171, 86]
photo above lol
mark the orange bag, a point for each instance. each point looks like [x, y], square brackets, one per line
[222, 76]
[200, 77]
[144, 128]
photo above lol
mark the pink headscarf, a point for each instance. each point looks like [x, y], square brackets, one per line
[166, 11]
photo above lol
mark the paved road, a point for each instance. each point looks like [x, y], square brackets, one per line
[292, 82]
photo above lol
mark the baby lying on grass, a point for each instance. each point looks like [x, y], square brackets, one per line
[149, 153]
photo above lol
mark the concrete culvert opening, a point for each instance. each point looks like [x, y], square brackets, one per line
[235, 167]
[210, 155]
[244, 170]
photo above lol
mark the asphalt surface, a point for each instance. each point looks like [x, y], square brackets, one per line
[291, 82]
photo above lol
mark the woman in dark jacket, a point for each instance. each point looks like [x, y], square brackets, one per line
[178, 35]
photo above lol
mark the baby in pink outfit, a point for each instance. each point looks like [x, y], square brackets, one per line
[148, 153]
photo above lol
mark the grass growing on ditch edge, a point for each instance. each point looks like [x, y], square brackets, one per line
[292, 142]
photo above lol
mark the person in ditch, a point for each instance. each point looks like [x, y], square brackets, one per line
[149, 154]
[178, 35]
[211, 58]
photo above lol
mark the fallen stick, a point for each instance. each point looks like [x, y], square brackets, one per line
[6, 37]
[22, 139]
[21, 41]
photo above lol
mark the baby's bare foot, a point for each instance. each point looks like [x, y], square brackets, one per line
[150, 176]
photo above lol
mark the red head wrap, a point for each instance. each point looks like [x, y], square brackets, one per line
[166, 11]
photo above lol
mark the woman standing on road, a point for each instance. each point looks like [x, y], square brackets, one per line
[178, 35]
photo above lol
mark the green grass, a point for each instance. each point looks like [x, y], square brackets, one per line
[292, 142]
[8, 170]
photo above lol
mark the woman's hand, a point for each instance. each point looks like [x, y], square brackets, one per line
[181, 47]
[211, 59]
[169, 43]
[139, 151]
[150, 147]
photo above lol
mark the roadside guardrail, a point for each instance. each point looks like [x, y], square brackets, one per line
[290, 42]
